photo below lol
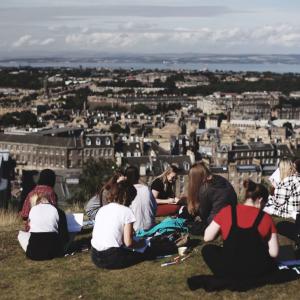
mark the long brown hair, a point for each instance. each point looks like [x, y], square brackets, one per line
[108, 185]
[122, 193]
[198, 175]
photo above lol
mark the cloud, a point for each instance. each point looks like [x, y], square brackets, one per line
[27, 40]
[47, 41]
[282, 35]
[22, 40]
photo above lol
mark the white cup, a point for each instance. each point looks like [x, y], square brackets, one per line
[182, 251]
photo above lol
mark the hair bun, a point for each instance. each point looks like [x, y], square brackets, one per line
[249, 185]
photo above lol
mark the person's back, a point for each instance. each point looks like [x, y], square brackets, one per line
[144, 208]
[109, 226]
[249, 235]
[44, 242]
[245, 247]
[213, 196]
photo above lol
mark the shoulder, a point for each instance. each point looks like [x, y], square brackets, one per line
[224, 212]
[156, 183]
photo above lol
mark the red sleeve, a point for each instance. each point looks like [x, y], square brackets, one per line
[221, 215]
[223, 218]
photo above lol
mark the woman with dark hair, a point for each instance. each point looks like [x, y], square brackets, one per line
[100, 199]
[163, 190]
[45, 188]
[249, 238]
[113, 230]
[207, 193]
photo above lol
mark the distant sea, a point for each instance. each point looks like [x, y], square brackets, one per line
[277, 64]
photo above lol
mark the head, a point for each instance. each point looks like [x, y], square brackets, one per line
[199, 174]
[132, 174]
[122, 193]
[170, 174]
[117, 176]
[286, 168]
[255, 192]
[47, 177]
[37, 199]
[297, 165]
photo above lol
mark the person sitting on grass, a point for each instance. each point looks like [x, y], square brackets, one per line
[113, 230]
[285, 201]
[100, 199]
[144, 205]
[47, 231]
[163, 189]
[45, 188]
[208, 193]
[249, 238]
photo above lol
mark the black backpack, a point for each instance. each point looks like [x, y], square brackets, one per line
[245, 253]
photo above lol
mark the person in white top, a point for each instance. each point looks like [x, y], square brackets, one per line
[43, 241]
[144, 204]
[113, 230]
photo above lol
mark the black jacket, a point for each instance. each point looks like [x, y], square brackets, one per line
[215, 195]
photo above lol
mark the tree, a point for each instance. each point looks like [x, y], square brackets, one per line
[94, 174]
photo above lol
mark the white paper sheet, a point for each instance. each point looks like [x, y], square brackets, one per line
[75, 222]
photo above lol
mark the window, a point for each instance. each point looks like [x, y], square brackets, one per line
[88, 141]
[186, 166]
[98, 141]
[107, 141]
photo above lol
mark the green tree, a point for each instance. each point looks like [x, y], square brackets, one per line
[94, 174]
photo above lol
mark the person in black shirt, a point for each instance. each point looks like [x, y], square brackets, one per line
[208, 193]
[163, 189]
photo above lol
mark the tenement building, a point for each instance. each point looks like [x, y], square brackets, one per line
[34, 151]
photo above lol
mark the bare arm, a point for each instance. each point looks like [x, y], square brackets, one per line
[273, 245]
[128, 235]
[164, 201]
[211, 232]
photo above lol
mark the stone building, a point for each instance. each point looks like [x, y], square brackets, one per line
[38, 152]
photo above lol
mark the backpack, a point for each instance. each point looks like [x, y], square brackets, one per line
[245, 253]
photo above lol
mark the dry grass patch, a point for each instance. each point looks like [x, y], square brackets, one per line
[9, 220]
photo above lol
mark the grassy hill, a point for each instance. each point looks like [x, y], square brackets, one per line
[75, 277]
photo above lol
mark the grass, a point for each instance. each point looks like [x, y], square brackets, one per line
[75, 277]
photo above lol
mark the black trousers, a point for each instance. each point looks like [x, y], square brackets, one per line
[212, 255]
[216, 261]
[116, 258]
[290, 230]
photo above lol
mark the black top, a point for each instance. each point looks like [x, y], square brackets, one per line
[215, 195]
[165, 190]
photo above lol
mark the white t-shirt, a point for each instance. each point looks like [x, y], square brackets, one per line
[143, 207]
[43, 218]
[109, 226]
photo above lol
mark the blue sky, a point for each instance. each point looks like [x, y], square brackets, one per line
[30, 27]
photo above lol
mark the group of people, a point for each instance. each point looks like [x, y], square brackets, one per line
[125, 206]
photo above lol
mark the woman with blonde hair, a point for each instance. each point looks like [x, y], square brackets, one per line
[286, 168]
[163, 189]
[208, 193]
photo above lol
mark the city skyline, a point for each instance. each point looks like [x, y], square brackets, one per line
[222, 27]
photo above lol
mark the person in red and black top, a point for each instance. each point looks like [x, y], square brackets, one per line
[249, 238]
[44, 188]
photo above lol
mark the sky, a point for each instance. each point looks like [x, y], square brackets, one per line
[43, 27]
